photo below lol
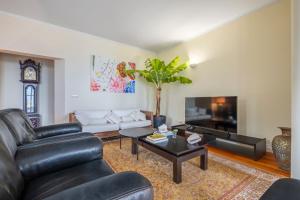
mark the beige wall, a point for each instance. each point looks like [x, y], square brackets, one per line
[11, 90]
[295, 172]
[75, 49]
[248, 58]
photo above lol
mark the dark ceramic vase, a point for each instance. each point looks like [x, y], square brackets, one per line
[281, 146]
[159, 120]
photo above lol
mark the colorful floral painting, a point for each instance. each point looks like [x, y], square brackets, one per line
[109, 75]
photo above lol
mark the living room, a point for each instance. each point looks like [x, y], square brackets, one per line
[94, 61]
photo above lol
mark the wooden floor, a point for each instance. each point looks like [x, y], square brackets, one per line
[267, 163]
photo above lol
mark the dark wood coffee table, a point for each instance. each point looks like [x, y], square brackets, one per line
[134, 134]
[177, 150]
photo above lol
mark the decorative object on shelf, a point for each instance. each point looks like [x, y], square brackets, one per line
[109, 75]
[175, 131]
[281, 146]
[159, 73]
[194, 138]
[30, 76]
[163, 128]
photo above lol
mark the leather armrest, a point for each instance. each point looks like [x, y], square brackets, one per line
[37, 159]
[58, 138]
[124, 185]
[57, 129]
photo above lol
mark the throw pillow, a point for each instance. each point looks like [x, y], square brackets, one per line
[127, 118]
[134, 116]
[113, 118]
[139, 116]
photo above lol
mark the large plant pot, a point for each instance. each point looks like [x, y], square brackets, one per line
[159, 120]
[281, 146]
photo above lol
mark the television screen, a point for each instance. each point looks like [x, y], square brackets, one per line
[218, 113]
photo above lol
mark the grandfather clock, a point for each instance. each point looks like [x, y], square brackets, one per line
[30, 76]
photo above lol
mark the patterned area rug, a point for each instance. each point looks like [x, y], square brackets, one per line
[223, 180]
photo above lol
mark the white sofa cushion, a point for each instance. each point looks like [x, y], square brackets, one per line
[92, 117]
[82, 118]
[94, 114]
[141, 116]
[134, 124]
[113, 118]
[124, 112]
[100, 128]
[127, 118]
[138, 116]
[95, 121]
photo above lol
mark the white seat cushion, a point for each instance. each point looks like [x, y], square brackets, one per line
[100, 128]
[134, 124]
[94, 114]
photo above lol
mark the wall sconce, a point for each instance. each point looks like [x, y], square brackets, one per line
[196, 59]
[194, 65]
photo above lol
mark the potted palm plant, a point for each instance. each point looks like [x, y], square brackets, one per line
[159, 73]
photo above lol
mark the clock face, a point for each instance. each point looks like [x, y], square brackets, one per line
[30, 74]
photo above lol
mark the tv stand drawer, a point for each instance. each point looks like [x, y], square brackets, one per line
[254, 148]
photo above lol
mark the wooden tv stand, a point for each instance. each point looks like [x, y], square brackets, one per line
[254, 148]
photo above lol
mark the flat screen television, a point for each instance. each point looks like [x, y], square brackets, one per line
[218, 113]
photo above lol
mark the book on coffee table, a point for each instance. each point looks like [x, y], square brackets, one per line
[155, 138]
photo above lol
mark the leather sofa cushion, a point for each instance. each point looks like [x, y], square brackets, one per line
[120, 186]
[11, 181]
[35, 160]
[54, 183]
[8, 139]
[134, 124]
[100, 128]
[19, 125]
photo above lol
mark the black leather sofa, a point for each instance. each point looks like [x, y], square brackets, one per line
[24, 133]
[58, 168]
[285, 188]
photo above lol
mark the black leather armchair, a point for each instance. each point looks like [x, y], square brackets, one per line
[63, 170]
[24, 133]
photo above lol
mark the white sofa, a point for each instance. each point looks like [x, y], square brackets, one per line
[96, 121]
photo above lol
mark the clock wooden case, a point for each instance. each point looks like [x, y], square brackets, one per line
[30, 76]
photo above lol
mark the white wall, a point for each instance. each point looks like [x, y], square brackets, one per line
[295, 172]
[24, 35]
[59, 88]
[248, 58]
[11, 90]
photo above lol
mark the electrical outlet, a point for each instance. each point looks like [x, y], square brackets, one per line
[74, 95]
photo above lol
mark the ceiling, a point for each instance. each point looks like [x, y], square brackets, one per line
[148, 24]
